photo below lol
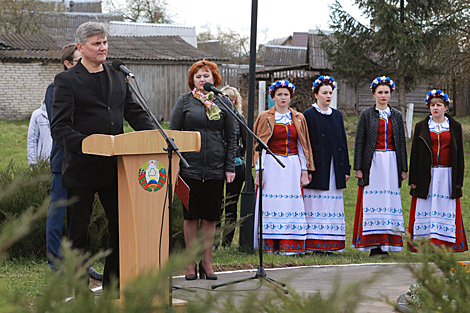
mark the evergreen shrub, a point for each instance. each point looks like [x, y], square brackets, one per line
[25, 187]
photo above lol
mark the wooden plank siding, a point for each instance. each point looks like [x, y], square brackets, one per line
[416, 96]
[317, 56]
[161, 85]
[232, 74]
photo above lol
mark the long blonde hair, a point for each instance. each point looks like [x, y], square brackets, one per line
[232, 92]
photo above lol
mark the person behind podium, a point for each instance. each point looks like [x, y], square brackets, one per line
[233, 189]
[92, 98]
[201, 111]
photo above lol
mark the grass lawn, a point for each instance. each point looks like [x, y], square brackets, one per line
[13, 135]
[27, 276]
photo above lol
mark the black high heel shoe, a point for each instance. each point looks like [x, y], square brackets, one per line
[204, 275]
[192, 276]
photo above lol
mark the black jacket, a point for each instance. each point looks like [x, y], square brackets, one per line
[366, 138]
[79, 109]
[421, 159]
[328, 140]
[218, 139]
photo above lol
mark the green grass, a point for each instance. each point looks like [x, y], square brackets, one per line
[13, 136]
[25, 276]
[28, 275]
[234, 258]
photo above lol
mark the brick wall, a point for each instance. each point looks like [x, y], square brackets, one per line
[23, 86]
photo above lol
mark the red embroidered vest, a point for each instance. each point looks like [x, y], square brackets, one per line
[440, 146]
[284, 139]
[385, 136]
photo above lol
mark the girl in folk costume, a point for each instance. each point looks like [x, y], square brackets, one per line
[285, 132]
[436, 177]
[381, 164]
[323, 197]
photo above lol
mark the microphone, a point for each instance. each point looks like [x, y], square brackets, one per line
[210, 87]
[118, 65]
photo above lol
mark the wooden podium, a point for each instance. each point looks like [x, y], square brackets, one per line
[142, 175]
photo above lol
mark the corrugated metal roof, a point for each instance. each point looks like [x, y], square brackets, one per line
[300, 39]
[45, 47]
[279, 41]
[210, 46]
[188, 33]
[32, 42]
[284, 55]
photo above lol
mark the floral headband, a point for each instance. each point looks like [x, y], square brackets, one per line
[323, 79]
[382, 80]
[282, 84]
[437, 94]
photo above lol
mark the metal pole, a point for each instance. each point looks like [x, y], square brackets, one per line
[247, 204]
[261, 96]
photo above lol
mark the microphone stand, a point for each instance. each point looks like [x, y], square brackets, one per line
[171, 147]
[261, 273]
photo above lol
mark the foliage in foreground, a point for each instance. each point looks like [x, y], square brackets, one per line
[22, 188]
[139, 295]
[442, 283]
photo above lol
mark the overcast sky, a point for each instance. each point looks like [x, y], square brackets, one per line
[277, 18]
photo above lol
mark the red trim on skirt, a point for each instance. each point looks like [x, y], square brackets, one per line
[324, 245]
[364, 241]
[460, 244]
[284, 245]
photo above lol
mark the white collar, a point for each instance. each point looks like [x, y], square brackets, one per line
[386, 111]
[385, 114]
[327, 112]
[283, 118]
[442, 126]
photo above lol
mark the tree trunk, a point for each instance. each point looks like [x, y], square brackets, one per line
[401, 95]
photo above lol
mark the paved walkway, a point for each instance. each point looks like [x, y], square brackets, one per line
[393, 280]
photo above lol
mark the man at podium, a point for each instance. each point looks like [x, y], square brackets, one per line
[92, 98]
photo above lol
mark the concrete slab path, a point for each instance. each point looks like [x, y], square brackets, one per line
[393, 280]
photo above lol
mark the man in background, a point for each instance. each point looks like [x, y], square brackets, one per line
[58, 195]
[39, 142]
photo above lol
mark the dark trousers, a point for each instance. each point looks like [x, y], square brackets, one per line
[78, 219]
[232, 194]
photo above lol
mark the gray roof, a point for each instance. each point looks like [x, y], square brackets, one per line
[210, 46]
[65, 24]
[158, 48]
[284, 55]
[279, 41]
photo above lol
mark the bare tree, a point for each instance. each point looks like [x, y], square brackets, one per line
[144, 11]
[234, 46]
[23, 17]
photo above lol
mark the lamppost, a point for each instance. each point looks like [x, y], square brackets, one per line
[247, 204]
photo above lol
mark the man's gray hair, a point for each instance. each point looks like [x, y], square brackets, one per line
[89, 29]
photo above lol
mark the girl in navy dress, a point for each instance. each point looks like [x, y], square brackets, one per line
[323, 197]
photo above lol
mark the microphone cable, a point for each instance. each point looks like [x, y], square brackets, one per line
[161, 231]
